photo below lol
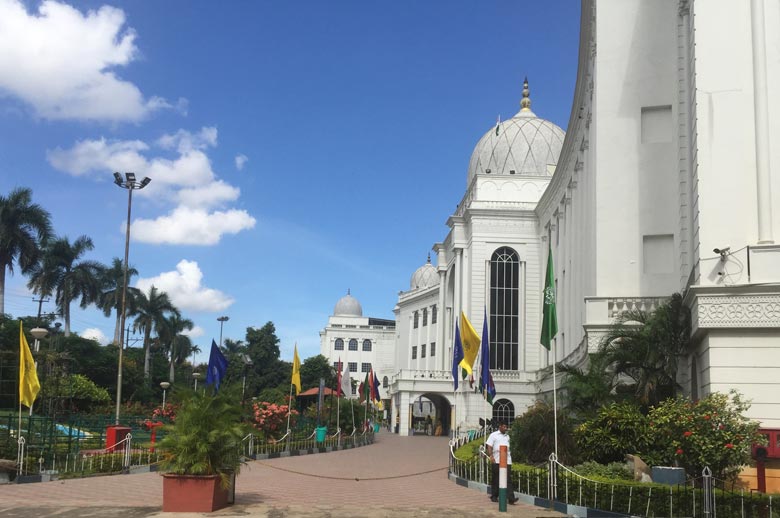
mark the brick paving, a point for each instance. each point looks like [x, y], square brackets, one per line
[395, 476]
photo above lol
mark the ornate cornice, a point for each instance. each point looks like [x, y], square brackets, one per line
[730, 311]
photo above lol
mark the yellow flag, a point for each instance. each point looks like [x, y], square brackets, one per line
[470, 341]
[28, 376]
[296, 374]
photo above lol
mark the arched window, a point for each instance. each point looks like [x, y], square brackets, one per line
[425, 317]
[433, 315]
[339, 346]
[366, 345]
[416, 319]
[504, 320]
[384, 382]
[503, 410]
[353, 344]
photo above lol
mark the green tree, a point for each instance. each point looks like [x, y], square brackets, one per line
[646, 349]
[585, 390]
[150, 313]
[267, 369]
[23, 226]
[314, 368]
[532, 436]
[173, 341]
[617, 429]
[60, 269]
[110, 299]
[711, 432]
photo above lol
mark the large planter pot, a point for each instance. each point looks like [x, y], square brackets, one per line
[193, 494]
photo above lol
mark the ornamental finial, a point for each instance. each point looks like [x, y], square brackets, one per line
[525, 103]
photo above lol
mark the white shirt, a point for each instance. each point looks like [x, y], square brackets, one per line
[497, 439]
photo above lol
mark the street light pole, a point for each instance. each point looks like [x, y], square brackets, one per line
[129, 183]
[221, 321]
[164, 385]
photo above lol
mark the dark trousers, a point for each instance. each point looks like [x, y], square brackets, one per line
[510, 492]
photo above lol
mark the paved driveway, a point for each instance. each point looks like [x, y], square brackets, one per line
[394, 477]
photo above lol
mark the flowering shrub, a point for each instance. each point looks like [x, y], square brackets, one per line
[617, 429]
[710, 432]
[271, 419]
[168, 412]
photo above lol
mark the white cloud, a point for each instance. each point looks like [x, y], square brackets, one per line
[241, 161]
[63, 63]
[184, 288]
[186, 182]
[96, 334]
[185, 141]
[195, 332]
[186, 226]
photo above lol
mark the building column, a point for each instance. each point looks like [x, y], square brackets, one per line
[441, 314]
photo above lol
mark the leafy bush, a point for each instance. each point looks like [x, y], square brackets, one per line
[532, 436]
[711, 432]
[611, 471]
[617, 429]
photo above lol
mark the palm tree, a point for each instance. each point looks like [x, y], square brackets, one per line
[61, 271]
[647, 348]
[172, 339]
[111, 296]
[23, 226]
[151, 310]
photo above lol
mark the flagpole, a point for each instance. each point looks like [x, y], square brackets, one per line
[555, 398]
[289, 411]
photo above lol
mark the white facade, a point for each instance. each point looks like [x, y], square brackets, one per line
[672, 151]
[360, 342]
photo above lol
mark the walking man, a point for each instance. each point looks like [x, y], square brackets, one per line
[494, 442]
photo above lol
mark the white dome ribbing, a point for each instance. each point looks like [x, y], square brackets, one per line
[348, 306]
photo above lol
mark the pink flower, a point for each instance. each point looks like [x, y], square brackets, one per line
[688, 433]
[729, 445]
[679, 451]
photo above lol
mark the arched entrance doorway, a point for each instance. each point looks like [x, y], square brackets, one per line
[431, 414]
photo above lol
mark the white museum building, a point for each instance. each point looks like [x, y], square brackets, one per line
[666, 180]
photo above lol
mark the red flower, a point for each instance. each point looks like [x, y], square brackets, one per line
[679, 451]
[729, 445]
[688, 434]
[707, 417]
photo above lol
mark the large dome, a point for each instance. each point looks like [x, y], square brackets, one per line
[348, 306]
[425, 276]
[524, 144]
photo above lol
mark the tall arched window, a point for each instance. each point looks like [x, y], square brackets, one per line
[503, 410]
[385, 382]
[366, 345]
[353, 345]
[504, 319]
[339, 346]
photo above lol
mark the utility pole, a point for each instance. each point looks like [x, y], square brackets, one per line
[40, 302]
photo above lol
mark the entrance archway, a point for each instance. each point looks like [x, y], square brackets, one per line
[431, 415]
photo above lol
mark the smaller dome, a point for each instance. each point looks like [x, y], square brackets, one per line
[425, 276]
[348, 306]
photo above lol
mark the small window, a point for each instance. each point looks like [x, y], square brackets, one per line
[414, 352]
[434, 314]
[352, 366]
[366, 345]
[336, 366]
[353, 345]
[385, 382]
[365, 367]
[422, 351]
[354, 390]
[425, 317]
[416, 319]
[339, 344]
[433, 348]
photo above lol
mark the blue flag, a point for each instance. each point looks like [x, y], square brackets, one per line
[457, 355]
[217, 366]
[486, 385]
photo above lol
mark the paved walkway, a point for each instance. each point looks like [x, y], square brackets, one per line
[394, 477]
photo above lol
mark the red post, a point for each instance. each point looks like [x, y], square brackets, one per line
[502, 478]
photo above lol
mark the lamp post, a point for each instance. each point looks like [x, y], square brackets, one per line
[131, 184]
[247, 363]
[164, 385]
[221, 321]
[196, 376]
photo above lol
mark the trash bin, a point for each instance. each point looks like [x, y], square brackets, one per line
[376, 427]
[321, 431]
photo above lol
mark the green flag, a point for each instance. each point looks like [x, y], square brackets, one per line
[549, 317]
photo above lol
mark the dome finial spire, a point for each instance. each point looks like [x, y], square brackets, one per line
[348, 291]
[429, 258]
[525, 103]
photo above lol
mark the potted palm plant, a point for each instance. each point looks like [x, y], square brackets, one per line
[201, 452]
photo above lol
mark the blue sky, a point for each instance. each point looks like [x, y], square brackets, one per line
[296, 149]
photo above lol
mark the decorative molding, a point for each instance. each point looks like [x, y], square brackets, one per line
[738, 311]
[684, 7]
